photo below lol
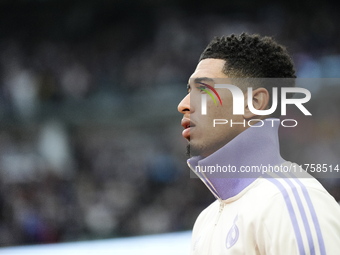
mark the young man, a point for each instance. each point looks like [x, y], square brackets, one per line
[255, 213]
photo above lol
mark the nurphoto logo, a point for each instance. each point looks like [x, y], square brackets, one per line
[238, 101]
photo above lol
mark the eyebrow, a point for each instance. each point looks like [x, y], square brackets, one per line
[200, 79]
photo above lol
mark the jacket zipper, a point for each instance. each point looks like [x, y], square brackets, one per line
[220, 211]
[219, 199]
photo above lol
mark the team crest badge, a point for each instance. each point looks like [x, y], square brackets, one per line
[233, 234]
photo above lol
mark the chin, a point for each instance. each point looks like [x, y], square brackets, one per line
[204, 149]
[197, 150]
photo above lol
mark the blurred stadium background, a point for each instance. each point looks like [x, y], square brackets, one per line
[90, 136]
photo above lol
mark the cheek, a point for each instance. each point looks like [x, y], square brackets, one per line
[195, 101]
[221, 112]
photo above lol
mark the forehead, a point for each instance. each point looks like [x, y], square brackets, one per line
[209, 67]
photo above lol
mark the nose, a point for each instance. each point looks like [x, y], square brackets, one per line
[184, 105]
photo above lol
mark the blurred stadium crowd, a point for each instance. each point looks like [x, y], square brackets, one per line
[90, 141]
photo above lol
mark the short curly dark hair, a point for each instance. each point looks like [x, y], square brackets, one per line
[253, 56]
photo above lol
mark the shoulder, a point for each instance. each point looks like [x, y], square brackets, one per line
[297, 211]
[208, 213]
[297, 198]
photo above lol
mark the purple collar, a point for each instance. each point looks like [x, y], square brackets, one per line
[255, 147]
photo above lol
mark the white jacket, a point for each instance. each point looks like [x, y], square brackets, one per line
[263, 215]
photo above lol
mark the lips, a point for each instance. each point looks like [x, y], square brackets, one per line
[188, 126]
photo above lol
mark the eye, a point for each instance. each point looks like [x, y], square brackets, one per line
[188, 88]
[202, 88]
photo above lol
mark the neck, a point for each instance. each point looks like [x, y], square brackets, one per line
[255, 147]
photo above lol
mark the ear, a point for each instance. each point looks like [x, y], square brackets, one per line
[260, 101]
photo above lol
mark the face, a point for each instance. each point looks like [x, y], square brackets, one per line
[204, 139]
